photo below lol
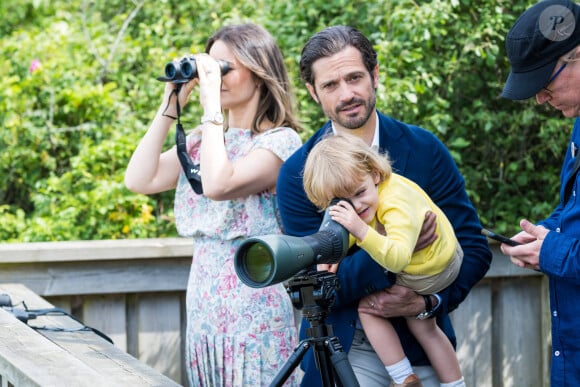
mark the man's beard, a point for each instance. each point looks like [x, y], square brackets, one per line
[359, 121]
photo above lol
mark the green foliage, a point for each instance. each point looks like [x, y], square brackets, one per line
[70, 125]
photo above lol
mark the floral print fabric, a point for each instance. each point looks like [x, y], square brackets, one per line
[236, 335]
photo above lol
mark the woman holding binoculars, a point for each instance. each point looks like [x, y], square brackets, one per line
[236, 335]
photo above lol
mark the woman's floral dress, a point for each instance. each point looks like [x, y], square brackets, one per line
[236, 335]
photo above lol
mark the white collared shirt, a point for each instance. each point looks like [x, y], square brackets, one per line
[375, 142]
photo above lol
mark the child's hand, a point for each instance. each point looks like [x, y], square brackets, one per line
[344, 214]
[332, 268]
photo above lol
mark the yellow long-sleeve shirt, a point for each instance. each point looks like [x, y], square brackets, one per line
[401, 210]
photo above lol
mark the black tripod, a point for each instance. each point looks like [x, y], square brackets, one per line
[313, 294]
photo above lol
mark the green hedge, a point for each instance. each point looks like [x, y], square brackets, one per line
[70, 125]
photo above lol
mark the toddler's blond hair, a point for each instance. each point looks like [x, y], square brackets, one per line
[337, 165]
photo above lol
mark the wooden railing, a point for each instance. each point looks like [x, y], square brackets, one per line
[41, 345]
[134, 292]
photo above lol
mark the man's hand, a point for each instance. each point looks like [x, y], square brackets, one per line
[527, 255]
[393, 302]
[427, 235]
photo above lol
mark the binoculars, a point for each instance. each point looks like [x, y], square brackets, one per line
[186, 70]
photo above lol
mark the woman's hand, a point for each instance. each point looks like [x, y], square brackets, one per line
[168, 105]
[210, 79]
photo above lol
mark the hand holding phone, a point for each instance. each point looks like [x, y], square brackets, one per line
[499, 238]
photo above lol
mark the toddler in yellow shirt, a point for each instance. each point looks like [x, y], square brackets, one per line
[385, 219]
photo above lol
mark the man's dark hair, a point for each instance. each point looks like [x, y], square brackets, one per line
[330, 41]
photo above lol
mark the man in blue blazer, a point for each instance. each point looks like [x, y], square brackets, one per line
[340, 69]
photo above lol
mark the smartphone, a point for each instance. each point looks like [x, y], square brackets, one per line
[499, 238]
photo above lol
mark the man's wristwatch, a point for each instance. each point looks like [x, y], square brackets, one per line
[429, 307]
[216, 118]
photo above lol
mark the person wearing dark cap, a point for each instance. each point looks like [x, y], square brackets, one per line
[543, 48]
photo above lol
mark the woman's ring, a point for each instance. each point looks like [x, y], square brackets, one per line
[372, 305]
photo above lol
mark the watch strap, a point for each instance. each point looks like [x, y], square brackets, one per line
[428, 312]
[438, 305]
[428, 303]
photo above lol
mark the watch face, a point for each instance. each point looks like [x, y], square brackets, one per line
[423, 315]
[215, 118]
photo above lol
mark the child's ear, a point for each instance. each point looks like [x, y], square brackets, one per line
[376, 178]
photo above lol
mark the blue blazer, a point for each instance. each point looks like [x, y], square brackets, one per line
[421, 157]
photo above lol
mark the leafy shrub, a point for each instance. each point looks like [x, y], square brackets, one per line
[79, 91]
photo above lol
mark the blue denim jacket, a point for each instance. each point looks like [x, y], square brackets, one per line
[560, 261]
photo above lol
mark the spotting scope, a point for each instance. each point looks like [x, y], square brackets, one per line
[266, 260]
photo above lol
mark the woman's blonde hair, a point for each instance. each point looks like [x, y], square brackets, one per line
[337, 165]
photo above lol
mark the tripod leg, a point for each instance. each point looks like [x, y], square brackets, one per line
[291, 363]
[339, 359]
[323, 363]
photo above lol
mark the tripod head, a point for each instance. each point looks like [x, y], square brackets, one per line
[313, 292]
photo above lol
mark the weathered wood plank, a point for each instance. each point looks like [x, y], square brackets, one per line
[159, 338]
[77, 251]
[545, 338]
[73, 358]
[30, 359]
[99, 276]
[473, 329]
[107, 314]
[49, 274]
[518, 358]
